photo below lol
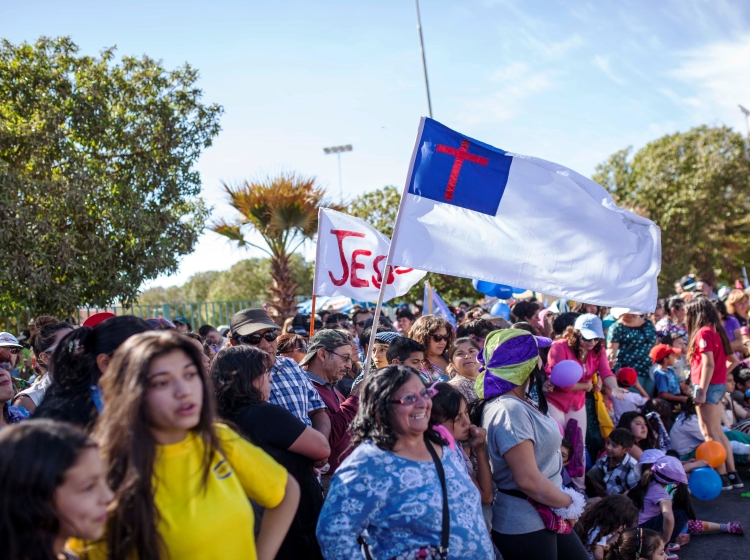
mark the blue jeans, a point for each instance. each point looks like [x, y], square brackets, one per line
[657, 523]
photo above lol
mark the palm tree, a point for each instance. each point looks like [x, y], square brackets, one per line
[283, 209]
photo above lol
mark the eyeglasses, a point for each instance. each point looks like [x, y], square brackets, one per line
[347, 359]
[254, 339]
[409, 400]
[12, 349]
[360, 323]
[440, 337]
[301, 348]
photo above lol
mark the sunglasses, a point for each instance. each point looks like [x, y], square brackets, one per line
[408, 400]
[254, 339]
[440, 337]
[360, 323]
[12, 349]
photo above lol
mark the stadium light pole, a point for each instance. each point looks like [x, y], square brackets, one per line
[746, 112]
[424, 60]
[337, 150]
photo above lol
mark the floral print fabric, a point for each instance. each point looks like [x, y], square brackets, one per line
[396, 505]
[635, 344]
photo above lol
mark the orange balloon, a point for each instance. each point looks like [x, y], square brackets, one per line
[712, 452]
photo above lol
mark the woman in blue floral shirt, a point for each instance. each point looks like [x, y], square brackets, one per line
[10, 414]
[629, 342]
[387, 493]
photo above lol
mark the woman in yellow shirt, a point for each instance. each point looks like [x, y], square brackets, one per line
[181, 482]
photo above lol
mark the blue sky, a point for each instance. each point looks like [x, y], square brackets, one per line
[568, 81]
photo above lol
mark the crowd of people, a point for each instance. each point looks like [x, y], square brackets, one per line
[128, 438]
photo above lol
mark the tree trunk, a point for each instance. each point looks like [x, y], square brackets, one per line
[281, 300]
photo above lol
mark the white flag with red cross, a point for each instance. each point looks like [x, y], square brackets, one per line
[350, 259]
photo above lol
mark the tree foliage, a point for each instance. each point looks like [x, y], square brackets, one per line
[247, 279]
[696, 187]
[379, 208]
[97, 187]
[283, 209]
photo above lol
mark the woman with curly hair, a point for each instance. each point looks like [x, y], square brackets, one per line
[435, 334]
[179, 478]
[387, 496]
[241, 379]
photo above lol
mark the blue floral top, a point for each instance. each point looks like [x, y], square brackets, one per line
[14, 414]
[396, 504]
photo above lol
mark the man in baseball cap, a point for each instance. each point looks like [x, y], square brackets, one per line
[290, 386]
[183, 324]
[329, 358]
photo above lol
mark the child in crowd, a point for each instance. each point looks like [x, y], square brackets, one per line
[602, 523]
[637, 543]
[627, 378]
[614, 473]
[406, 352]
[666, 380]
[380, 348]
[654, 503]
[566, 451]
[60, 493]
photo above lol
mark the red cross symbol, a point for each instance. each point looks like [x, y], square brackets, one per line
[461, 154]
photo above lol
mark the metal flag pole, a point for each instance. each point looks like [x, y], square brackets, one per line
[424, 60]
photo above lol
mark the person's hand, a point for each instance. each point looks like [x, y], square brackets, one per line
[697, 463]
[700, 397]
[478, 436]
[597, 386]
[317, 465]
[619, 393]
[588, 386]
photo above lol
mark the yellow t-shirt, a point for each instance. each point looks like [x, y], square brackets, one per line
[215, 522]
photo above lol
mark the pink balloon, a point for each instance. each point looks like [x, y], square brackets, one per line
[566, 373]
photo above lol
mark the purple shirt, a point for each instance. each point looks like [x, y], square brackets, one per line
[656, 493]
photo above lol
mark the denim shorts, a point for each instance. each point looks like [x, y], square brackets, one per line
[715, 393]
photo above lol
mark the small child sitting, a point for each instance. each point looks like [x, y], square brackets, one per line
[602, 523]
[614, 473]
[636, 543]
[566, 450]
[665, 379]
[627, 378]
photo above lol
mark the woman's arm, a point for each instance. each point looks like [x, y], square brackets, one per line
[533, 483]
[670, 397]
[24, 401]
[668, 525]
[707, 372]
[611, 383]
[312, 444]
[276, 521]
[612, 349]
[738, 344]
[484, 473]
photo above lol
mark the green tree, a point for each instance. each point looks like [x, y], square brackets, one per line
[98, 192]
[283, 210]
[696, 187]
[379, 208]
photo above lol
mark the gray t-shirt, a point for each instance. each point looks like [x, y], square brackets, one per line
[510, 421]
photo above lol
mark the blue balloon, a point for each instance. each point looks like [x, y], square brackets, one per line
[501, 309]
[500, 291]
[705, 483]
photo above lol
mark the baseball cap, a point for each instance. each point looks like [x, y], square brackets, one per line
[627, 376]
[325, 339]
[7, 339]
[182, 320]
[589, 325]
[661, 351]
[249, 321]
[93, 320]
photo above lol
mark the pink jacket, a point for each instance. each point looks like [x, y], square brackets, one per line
[563, 398]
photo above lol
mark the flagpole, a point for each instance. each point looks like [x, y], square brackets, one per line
[388, 258]
[312, 316]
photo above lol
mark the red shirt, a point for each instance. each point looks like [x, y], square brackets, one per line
[341, 413]
[708, 340]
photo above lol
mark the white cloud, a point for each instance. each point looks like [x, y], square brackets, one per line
[602, 63]
[684, 102]
[518, 82]
[553, 50]
[717, 74]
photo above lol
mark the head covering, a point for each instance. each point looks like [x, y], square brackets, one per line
[618, 312]
[249, 321]
[627, 376]
[326, 339]
[648, 457]
[508, 358]
[589, 325]
[661, 351]
[97, 318]
[182, 320]
[669, 470]
[8, 340]
[386, 337]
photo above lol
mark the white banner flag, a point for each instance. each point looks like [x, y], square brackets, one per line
[350, 259]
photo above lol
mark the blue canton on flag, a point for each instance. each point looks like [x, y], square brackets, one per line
[454, 169]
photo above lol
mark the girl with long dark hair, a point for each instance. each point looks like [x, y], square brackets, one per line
[604, 521]
[181, 480]
[52, 488]
[710, 357]
[79, 361]
[642, 430]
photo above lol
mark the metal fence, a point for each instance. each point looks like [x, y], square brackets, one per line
[198, 313]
